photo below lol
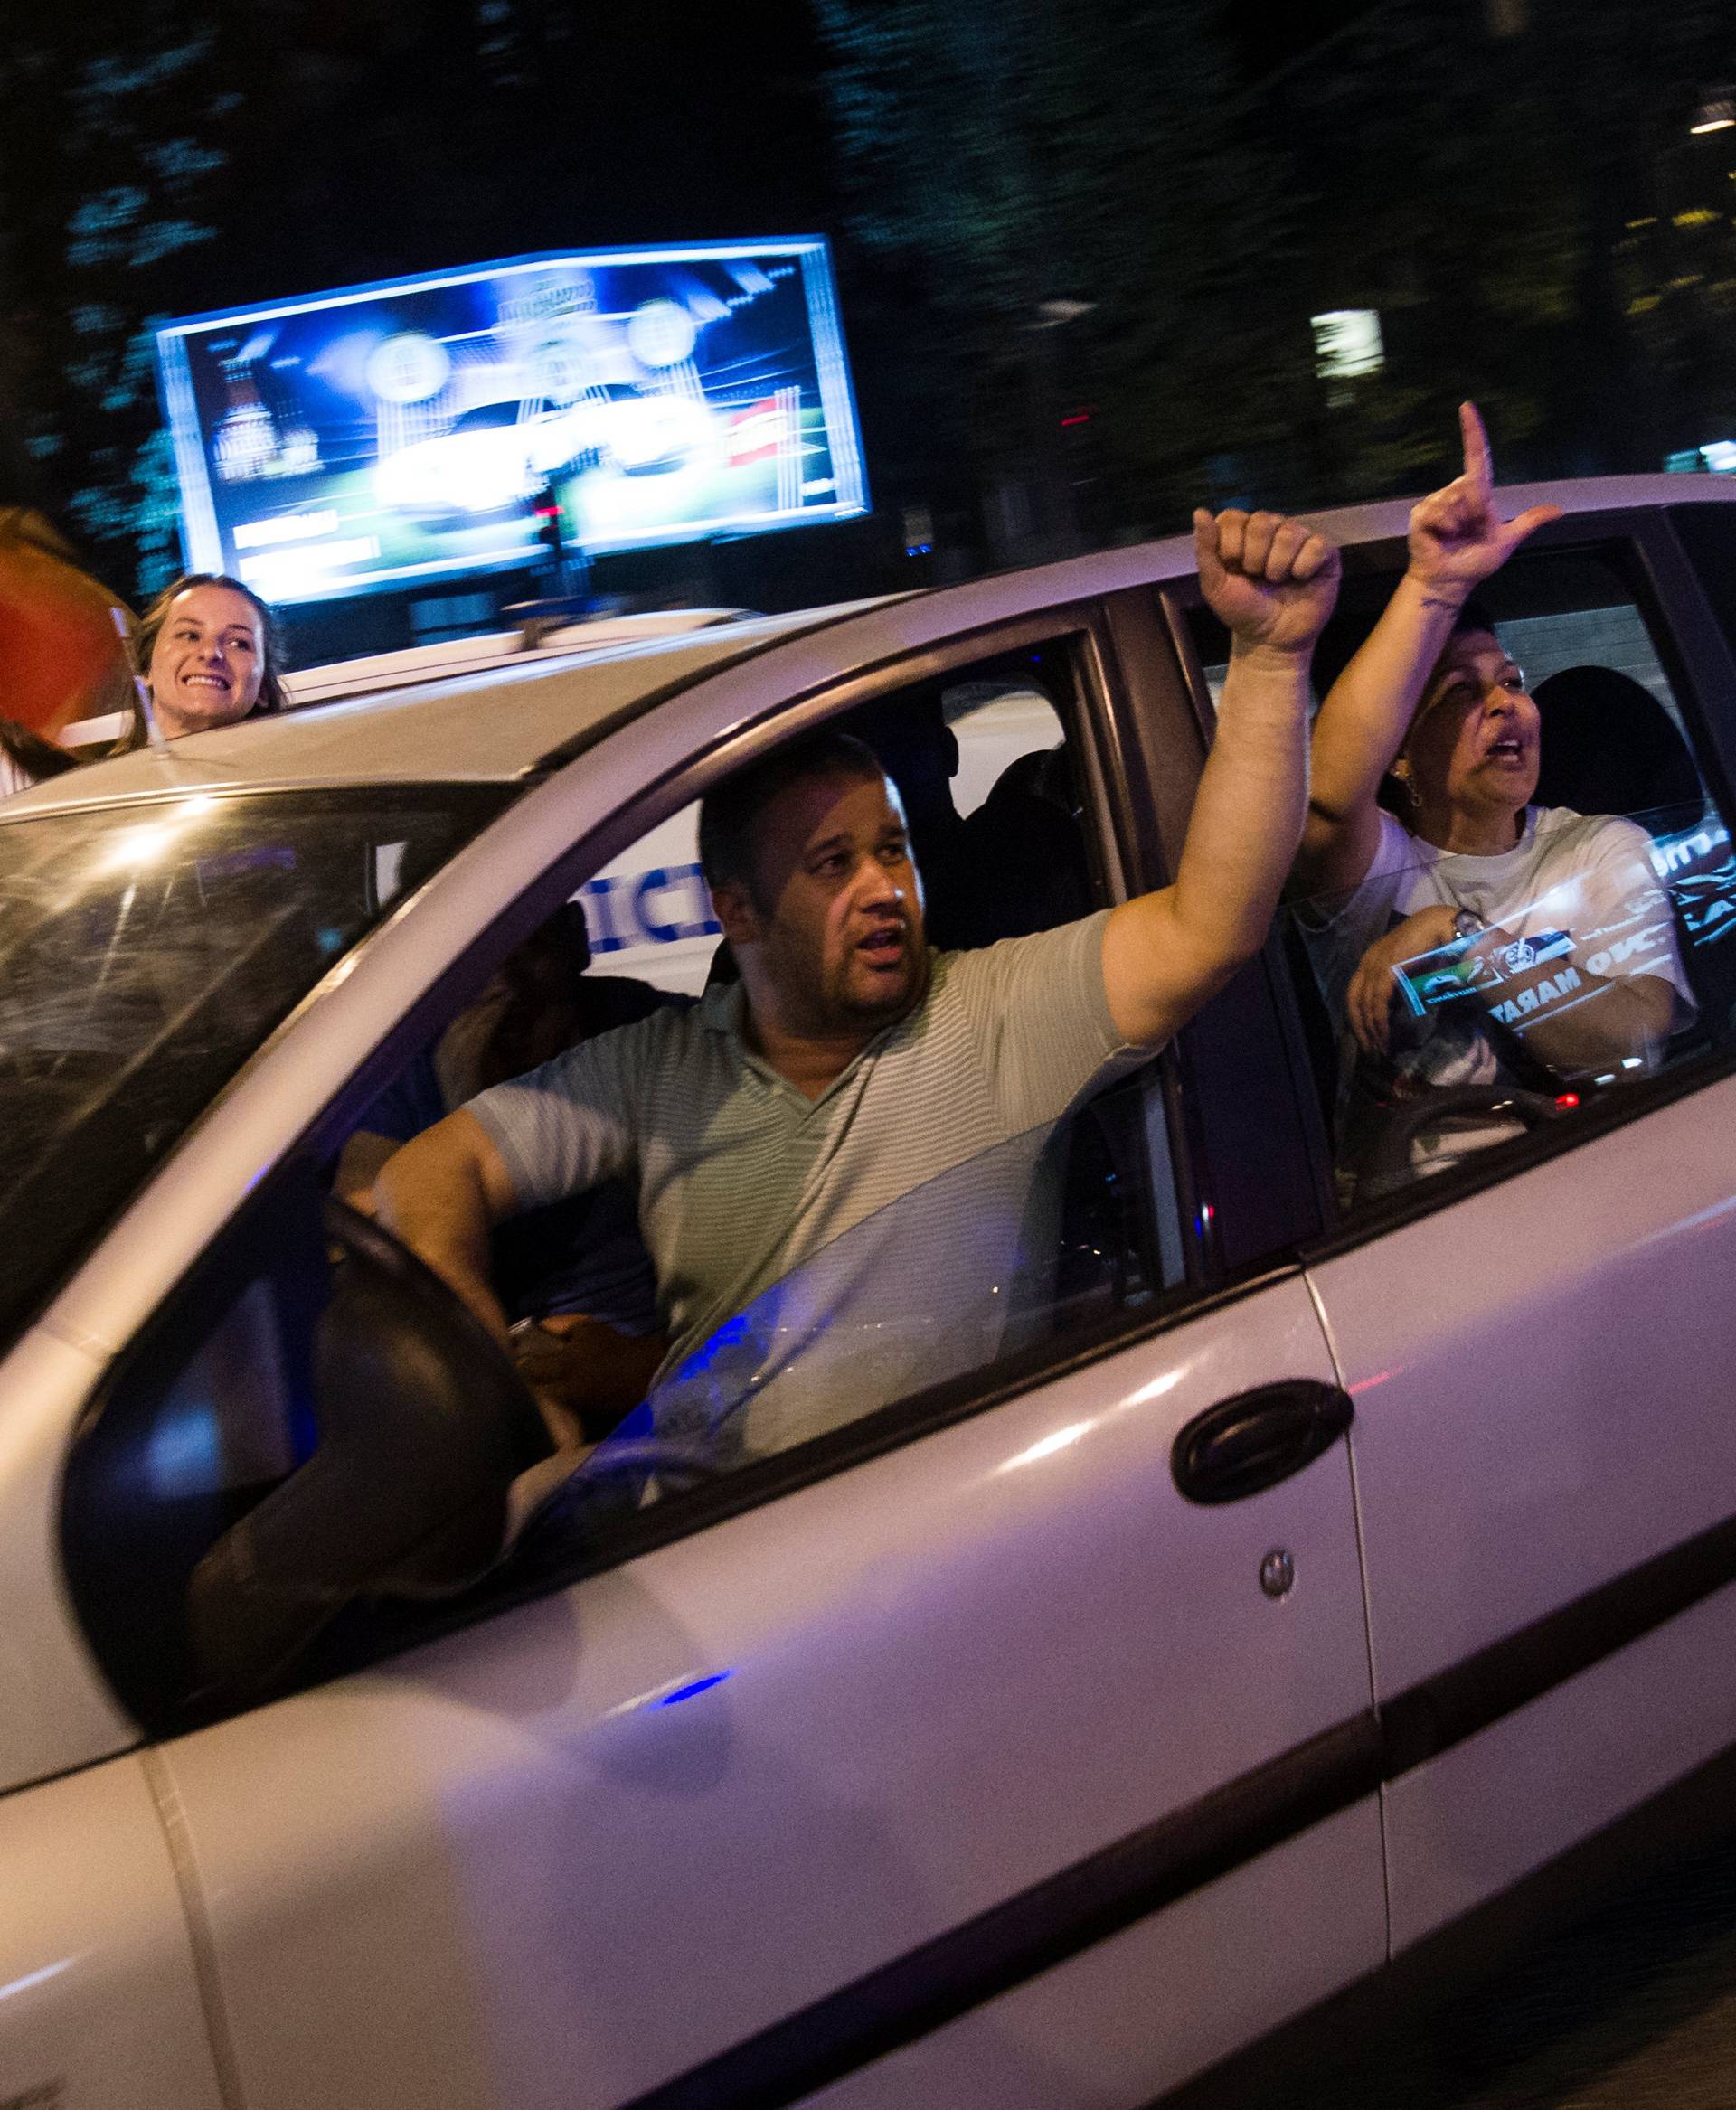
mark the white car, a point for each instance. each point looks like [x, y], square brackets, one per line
[1307, 1589]
[493, 457]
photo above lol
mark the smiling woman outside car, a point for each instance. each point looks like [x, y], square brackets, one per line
[208, 652]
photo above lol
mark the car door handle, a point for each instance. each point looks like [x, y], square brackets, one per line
[1250, 1442]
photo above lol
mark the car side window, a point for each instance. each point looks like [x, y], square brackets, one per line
[869, 1279]
[212, 1407]
[999, 1261]
[990, 788]
[1455, 1003]
[986, 760]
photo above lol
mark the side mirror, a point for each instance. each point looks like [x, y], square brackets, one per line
[423, 1425]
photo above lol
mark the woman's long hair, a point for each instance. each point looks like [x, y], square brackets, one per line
[39, 758]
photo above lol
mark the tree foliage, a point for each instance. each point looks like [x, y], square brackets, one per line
[1017, 155]
[1510, 185]
[1478, 189]
[114, 143]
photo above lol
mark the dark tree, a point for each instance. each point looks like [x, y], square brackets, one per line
[1079, 226]
[113, 141]
[1482, 168]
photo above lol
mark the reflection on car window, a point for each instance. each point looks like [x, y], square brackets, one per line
[231, 1419]
[1065, 1224]
[1466, 1001]
[147, 951]
[1457, 999]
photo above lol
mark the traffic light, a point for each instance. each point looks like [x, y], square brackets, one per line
[550, 526]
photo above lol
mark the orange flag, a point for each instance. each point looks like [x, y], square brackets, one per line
[62, 658]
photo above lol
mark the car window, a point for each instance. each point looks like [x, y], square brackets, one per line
[1009, 774]
[1452, 1005]
[1607, 965]
[1019, 1250]
[147, 951]
[1708, 534]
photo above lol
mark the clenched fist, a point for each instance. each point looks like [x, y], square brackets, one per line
[1269, 580]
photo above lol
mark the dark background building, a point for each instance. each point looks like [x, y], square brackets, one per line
[1081, 247]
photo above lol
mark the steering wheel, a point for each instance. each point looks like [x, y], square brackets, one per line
[604, 1488]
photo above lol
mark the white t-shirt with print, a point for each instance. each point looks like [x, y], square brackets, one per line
[1577, 891]
[1588, 877]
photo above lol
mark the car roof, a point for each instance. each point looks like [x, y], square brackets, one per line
[487, 724]
[379, 671]
[495, 718]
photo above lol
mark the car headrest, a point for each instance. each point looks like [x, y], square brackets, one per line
[1609, 746]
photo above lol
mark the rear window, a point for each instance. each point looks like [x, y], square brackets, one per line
[145, 952]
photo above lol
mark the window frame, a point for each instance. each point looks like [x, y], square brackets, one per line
[1640, 547]
[1131, 693]
[1249, 1209]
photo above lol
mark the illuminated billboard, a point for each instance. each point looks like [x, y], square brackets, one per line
[391, 433]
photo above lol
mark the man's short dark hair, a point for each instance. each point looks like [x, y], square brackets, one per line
[727, 815]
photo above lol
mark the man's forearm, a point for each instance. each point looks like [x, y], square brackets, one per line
[433, 1196]
[1272, 583]
[1248, 812]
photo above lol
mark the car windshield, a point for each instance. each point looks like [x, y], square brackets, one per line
[487, 416]
[146, 951]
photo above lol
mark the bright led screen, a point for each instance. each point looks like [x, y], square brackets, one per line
[399, 432]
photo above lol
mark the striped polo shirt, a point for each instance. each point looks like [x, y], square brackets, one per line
[897, 1223]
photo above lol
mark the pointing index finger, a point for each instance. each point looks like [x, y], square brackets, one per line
[1479, 469]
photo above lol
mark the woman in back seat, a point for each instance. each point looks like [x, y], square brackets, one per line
[1478, 941]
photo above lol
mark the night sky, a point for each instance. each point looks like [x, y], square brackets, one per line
[662, 123]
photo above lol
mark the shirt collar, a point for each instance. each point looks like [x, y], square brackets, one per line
[721, 1010]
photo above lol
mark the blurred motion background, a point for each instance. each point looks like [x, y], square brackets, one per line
[1100, 259]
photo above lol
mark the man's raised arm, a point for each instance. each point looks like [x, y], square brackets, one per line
[443, 1193]
[1272, 582]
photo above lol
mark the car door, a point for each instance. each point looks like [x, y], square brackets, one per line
[943, 1758]
[1541, 1348]
[98, 1971]
[101, 1997]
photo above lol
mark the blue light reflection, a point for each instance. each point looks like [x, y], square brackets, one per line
[690, 1691]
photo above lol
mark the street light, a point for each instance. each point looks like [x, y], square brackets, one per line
[1716, 113]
